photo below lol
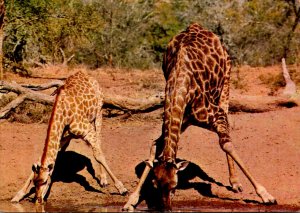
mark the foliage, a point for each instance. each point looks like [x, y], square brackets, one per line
[134, 33]
[262, 39]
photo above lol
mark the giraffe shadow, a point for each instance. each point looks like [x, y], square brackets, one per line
[66, 169]
[67, 166]
[150, 194]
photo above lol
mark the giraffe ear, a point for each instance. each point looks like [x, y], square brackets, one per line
[149, 163]
[36, 168]
[50, 167]
[182, 165]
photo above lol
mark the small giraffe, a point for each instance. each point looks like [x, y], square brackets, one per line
[197, 70]
[77, 113]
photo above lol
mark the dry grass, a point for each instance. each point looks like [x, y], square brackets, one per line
[274, 82]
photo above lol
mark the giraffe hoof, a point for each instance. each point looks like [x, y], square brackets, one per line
[273, 202]
[15, 200]
[128, 208]
[132, 202]
[235, 184]
[103, 185]
[102, 180]
[265, 196]
[122, 190]
[19, 196]
[237, 187]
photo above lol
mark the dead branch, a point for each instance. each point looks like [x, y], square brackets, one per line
[65, 59]
[24, 94]
[12, 105]
[290, 87]
[56, 83]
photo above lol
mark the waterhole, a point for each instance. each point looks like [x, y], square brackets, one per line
[25, 206]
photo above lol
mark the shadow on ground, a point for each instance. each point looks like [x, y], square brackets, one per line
[150, 195]
[68, 165]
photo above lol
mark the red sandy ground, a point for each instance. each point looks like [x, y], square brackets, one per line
[269, 144]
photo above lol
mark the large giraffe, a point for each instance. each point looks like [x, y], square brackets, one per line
[77, 112]
[197, 69]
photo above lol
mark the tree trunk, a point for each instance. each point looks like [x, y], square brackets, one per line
[2, 14]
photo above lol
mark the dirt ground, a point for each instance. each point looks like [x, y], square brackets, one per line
[268, 143]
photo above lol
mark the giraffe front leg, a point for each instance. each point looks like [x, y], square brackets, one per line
[21, 194]
[233, 178]
[135, 196]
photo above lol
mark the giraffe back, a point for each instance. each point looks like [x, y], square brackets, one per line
[77, 103]
[82, 97]
[198, 53]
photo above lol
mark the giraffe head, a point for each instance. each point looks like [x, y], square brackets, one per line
[41, 180]
[166, 179]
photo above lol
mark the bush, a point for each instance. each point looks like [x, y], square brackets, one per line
[30, 112]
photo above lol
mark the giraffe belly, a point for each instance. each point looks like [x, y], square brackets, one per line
[202, 112]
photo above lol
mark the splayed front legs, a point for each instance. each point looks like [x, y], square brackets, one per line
[21, 194]
[134, 197]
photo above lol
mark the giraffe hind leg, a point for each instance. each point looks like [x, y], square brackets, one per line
[98, 126]
[91, 138]
[224, 103]
[222, 128]
[233, 177]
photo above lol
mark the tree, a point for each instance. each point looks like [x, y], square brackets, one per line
[295, 8]
[135, 33]
[261, 32]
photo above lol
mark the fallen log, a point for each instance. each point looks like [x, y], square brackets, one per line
[24, 94]
[134, 106]
[116, 103]
[256, 104]
[237, 103]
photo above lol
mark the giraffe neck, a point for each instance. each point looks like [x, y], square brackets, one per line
[54, 134]
[175, 103]
[170, 151]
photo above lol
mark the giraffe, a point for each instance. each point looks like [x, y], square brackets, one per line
[77, 113]
[197, 71]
